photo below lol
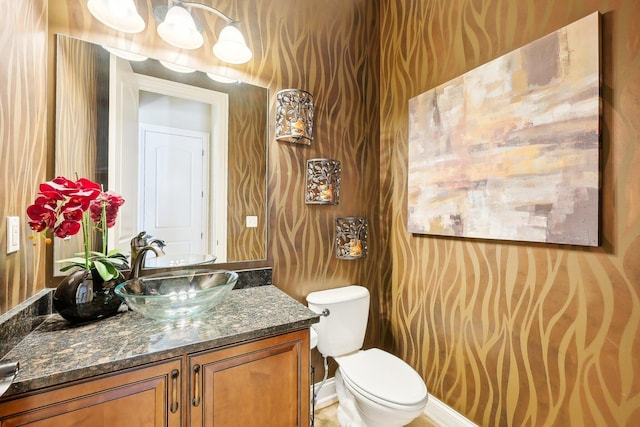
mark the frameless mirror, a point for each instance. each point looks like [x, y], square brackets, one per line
[186, 152]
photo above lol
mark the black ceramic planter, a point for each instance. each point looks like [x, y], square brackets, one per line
[83, 296]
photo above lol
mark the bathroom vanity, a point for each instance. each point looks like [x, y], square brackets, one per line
[244, 363]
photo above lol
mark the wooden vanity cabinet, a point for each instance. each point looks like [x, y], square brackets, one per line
[262, 383]
[148, 396]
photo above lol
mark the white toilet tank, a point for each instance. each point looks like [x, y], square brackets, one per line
[342, 331]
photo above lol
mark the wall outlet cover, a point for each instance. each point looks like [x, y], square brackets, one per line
[13, 234]
[252, 221]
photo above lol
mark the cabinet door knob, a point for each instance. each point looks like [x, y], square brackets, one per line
[196, 386]
[175, 404]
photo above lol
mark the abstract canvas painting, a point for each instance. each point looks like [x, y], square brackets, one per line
[510, 150]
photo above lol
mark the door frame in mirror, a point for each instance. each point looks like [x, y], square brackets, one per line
[123, 163]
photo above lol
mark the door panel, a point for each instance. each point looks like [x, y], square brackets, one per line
[264, 383]
[143, 397]
[173, 205]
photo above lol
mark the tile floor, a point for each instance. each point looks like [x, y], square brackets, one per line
[326, 417]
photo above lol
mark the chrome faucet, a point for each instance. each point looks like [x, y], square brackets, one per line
[140, 245]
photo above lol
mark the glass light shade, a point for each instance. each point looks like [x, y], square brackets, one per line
[129, 56]
[231, 46]
[120, 15]
[179, 30]
[177, 67]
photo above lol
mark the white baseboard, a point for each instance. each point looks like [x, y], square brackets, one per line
[444, 415]
[327, 394]
[436, 410]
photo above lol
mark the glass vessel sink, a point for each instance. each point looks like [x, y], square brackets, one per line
[177, 260]
[177, 294]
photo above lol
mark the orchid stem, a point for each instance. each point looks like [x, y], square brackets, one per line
[85, 232]
[103, 224]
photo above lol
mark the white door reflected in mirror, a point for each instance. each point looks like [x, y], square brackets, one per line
[173, 206]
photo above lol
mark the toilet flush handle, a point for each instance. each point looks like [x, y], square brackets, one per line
[325, 312]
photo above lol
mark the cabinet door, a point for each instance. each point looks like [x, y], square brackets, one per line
[139, 397]
[263, 383]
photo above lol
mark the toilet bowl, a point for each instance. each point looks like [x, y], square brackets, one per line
[385, 390]
[374, 388]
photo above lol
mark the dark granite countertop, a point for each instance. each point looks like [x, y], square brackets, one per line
[56, 352]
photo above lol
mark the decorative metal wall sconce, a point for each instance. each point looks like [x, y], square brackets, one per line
[294, 116]
[323, 182]
[351, 238]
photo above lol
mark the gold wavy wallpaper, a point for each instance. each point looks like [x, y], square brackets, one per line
[515, 334]
[507, 333]
[247, 173]
[23, 139]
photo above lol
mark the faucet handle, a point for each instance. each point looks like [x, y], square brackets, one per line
[140, 240]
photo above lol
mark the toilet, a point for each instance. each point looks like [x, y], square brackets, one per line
[374, 388]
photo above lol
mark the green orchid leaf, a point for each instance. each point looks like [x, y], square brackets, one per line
[69, 267]
[114, 252]
[117, 261]
[76, 260]
[102, 270]
[112, 269]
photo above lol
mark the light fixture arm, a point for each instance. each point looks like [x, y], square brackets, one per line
[206, 7]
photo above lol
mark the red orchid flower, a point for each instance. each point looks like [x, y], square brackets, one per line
[61, 202]
[42, 216]
[111, 202]
[67, 228]
[65, 207]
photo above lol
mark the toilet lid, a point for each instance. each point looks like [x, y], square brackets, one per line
[382, 376]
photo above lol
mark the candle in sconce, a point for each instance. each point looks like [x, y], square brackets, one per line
[297, 127]
[325, 193]
[355, 248]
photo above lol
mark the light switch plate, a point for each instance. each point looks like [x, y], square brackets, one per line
[252, 221]
[13, 234]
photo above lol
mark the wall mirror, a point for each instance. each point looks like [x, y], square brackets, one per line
[187, 153]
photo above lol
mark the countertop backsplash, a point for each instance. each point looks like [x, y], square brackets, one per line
[18, 322]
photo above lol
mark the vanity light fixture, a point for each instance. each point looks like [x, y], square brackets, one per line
[120, 15]
[178, 28]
